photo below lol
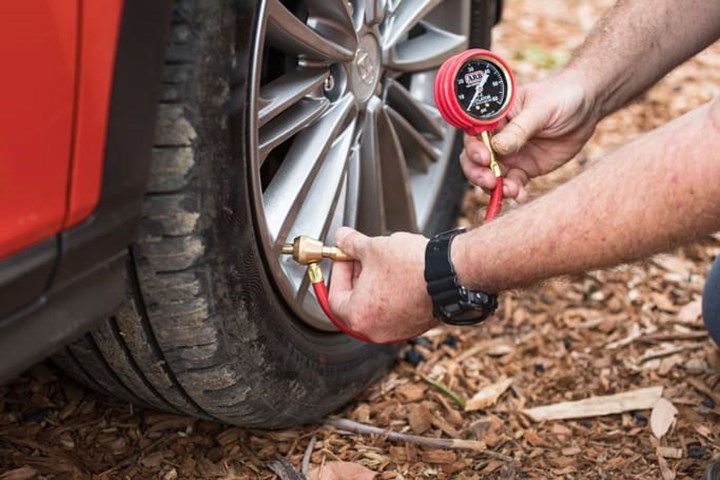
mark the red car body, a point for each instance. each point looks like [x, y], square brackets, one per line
[78, 100]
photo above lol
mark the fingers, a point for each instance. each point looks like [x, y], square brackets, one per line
[514, 185]
[524, 126]
[352, 242]
[475, 150]
[344, 274]
[475, 161]
[341, 286]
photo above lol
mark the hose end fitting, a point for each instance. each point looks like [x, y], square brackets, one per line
[315, 273]
[306, 250]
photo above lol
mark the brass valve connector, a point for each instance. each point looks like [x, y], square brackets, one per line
[486, 138]
[306, 250]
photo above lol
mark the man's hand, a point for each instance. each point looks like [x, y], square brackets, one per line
[382, 294]
[549, 123]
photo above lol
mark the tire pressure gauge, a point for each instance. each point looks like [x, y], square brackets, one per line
[474, 90]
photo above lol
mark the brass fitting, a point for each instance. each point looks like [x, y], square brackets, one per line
[306, 250]
[315, 272]
[486, 138]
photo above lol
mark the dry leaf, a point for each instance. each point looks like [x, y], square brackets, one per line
[341, 471]
[534, 439]
[488, 395]
[499, 349]
[665, 470]
[691, 312]
[419, 418]
[22, 473]
[673, 264]
[662, 417]
[570, 451]
[412, 392]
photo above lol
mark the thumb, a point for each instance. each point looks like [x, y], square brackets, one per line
[515, 134]
[351, 242]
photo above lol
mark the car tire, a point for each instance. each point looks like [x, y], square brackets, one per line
[205, 330]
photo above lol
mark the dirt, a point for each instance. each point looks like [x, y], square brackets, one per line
[597, 334]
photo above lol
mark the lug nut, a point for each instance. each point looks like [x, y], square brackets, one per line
[329, 83]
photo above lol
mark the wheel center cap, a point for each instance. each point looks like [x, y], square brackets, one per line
[366, 68]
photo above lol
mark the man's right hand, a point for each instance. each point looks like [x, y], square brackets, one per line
[549, 123]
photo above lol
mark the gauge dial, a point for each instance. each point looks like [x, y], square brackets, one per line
[482, 88]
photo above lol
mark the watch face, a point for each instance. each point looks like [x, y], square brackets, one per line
[482, 88]
[472, 308]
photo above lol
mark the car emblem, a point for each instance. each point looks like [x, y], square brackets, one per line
[365, 66]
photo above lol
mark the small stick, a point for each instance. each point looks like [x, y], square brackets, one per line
[306, 457]
[283, 468]
[450, 443]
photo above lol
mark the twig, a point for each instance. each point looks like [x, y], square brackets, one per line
[457, 398]
[283, 468]
[306, 457]
[701, 387]
[450, 443]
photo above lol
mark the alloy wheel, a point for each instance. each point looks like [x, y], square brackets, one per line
[345, 129]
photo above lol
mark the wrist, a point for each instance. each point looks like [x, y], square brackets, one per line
[590, 91]
[472, 266]
[453, 302]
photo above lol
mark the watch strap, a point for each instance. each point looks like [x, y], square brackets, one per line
[439, 272]
[451, 301]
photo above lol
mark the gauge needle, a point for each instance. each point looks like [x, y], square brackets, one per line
[483, 81]
[478, 89]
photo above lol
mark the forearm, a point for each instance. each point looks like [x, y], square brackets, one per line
[656, 193]
[636, 43]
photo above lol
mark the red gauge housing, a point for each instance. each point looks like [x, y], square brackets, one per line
[474, 90]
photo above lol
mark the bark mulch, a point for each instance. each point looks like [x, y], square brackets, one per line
[603, 333]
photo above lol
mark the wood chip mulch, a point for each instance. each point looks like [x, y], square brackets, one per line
[603, 333]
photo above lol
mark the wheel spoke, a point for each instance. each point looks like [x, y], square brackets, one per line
[370, 215]
[418, 150]
[399, 205]
[315, 210]
[415, 112]
[291, 35]
[406, 16]
[425, 51]
[288, 188]
[286, 91]
[289, 123]
[337, 12]
[374, 11]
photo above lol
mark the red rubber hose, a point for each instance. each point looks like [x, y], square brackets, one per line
[321, 293]
[495, 203]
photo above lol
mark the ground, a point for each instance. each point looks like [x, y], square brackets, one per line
[602, 333]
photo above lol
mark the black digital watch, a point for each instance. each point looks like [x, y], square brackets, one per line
[453, 303]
